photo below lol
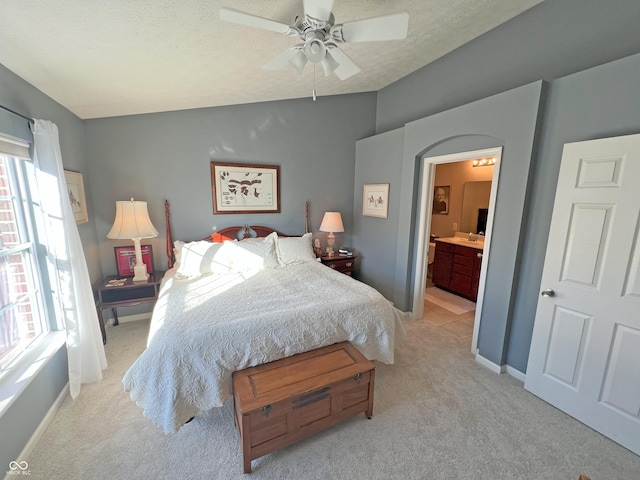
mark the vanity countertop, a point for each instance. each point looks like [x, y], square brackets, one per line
[479, 244]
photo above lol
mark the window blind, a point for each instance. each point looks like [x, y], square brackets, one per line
[14, 147]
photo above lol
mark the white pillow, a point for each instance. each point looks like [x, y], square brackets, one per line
[203, 257]
[293, 250]
[177, 252]
[254, 255]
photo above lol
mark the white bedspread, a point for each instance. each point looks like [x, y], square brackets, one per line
[204, 329]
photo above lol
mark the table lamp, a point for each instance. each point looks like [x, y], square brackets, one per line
[133, 222]
[332, 222]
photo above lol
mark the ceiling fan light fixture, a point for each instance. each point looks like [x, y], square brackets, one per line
[329, 64]
[298, 61]
[314, 49]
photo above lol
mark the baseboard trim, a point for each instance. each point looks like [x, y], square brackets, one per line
[406, 316]
[44, 424]
[495, 368]
[517, 374]
[500, 369]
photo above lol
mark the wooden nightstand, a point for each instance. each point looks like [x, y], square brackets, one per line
[125, 295]
[341, 263]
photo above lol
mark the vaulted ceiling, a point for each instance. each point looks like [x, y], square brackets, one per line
[122, 57]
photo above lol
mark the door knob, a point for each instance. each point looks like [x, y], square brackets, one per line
[548, 293]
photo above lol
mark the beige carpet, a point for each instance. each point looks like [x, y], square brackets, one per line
[438, 415]
[447, 300]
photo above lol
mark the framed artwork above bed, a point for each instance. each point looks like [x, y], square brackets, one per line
[242, 188]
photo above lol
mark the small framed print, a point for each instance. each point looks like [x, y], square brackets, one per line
[126, 259]
[237, 188]
[75, 190]
[375, 200]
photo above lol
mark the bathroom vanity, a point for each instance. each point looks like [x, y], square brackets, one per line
[456, 266]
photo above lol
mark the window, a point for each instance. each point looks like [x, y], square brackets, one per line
[22, 321]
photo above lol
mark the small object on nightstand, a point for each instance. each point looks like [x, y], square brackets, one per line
[317, 249]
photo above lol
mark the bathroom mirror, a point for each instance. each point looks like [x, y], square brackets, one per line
[475, 206]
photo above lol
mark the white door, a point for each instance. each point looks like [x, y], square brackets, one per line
[585, 350]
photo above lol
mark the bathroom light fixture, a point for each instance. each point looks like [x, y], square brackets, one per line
[484, 162]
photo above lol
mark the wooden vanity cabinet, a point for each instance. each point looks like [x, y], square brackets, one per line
[456, 268]
[442, 262]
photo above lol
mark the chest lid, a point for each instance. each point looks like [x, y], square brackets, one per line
[275, 381]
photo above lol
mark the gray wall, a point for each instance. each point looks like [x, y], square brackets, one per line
[167, 156]
[19, 422]
[508, 120]
[551, 40]
[377, 162]
[25, 414]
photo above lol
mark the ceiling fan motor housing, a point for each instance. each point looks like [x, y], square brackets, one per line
[305, 23]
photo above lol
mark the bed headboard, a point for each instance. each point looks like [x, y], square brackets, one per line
[238, 233]
[229, 233]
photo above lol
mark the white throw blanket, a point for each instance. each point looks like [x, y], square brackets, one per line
[204, 329]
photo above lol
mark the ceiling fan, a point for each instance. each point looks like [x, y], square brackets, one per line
[320, 35]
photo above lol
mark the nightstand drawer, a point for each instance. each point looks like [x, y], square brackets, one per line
[341, 264]
[117, 295]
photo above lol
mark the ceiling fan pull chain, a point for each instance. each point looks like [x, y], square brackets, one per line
[314, 82]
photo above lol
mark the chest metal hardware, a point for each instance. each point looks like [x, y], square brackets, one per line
[266, 410]
[358, 378]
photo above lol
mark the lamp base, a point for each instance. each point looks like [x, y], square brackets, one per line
[140, 273]
[331, 241]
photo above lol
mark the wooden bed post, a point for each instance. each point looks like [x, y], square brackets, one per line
[306, 217]
[169, 244]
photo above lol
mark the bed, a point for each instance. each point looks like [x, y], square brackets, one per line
[245, 302]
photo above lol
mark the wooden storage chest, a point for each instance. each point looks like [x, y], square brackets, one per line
[278, 403]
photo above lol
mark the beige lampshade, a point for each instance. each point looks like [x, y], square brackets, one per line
[332, 222]
[132, 221]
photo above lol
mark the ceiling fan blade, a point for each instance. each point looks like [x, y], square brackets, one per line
[241, 18]
[281, 61]
[387, 27]
[347, 68]
[318, 9]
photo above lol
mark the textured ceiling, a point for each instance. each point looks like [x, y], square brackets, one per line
[121, 57]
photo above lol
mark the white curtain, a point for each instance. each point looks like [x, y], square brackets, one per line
[75, 294]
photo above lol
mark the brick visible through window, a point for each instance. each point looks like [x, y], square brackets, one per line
[20, 318]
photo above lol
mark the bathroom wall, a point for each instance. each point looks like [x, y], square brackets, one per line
[455, 175]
